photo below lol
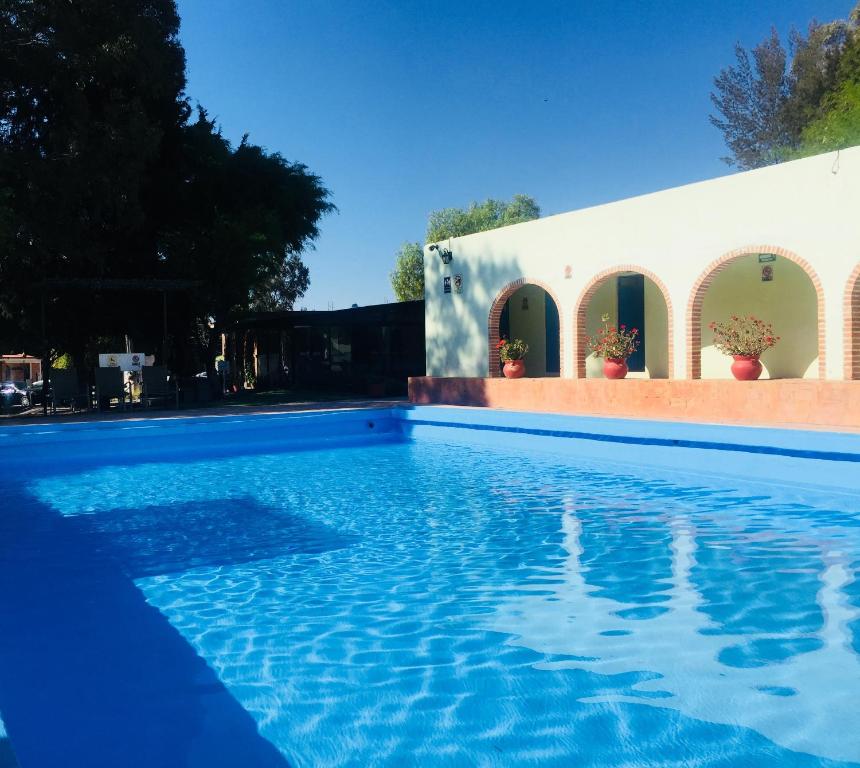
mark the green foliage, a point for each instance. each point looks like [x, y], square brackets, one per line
[241, 220]
[768, 101]
[106, 173]
[480, 217]
[813, 73]
[62, 362]
[749, 98]
[613, 343]
[515, 349]
[837, 127]
[748, 336]
[407, 279]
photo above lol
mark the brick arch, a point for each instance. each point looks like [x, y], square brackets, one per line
[496, 315]
[851, 312]
[706, 278]
[581, 314]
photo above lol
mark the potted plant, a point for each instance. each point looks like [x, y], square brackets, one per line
[614, 345]
[745, 339]
[512, 353]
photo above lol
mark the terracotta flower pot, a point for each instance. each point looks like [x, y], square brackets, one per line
[746, 367]
[614, 368]
[514, 369]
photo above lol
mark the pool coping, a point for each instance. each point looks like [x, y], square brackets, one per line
[806, 444]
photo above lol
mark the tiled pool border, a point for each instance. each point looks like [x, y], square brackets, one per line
[783, 455]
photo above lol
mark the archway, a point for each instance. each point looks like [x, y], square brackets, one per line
[772, 284]
[851, 342]
[529, 310]
[638, 299]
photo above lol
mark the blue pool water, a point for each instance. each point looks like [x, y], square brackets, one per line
[449, 599]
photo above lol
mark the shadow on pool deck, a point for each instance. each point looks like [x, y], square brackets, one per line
[35, 417]
[91, 674]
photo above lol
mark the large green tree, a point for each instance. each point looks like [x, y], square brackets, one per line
[836, 124]
[106, 173]
[407, 279]
[91, 104]
[479, 217]
[242, 218]
[768, 99]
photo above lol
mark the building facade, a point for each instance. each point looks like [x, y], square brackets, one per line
[369, 350]
[20, 368]
[781, 243]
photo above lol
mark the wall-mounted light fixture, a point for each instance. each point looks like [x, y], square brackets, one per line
[444, 253]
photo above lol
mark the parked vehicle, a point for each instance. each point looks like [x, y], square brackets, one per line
[14, 394]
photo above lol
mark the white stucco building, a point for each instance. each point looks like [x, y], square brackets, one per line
[782, 243]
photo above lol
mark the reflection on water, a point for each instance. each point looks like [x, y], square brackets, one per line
[799, 690]
[458, 605]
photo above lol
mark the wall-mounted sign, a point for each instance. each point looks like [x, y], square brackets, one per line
[458, 283]
[446, 284]
[128, 361]
[764, 258]
[766, 274]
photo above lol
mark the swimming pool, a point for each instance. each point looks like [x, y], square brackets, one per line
[429, 586]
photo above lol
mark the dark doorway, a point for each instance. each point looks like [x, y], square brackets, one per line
[631, 313]
[553, 345]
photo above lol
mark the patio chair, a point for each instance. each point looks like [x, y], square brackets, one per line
[157, 386]
[66, 388]
[109, 385]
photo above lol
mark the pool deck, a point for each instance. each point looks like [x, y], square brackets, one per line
[35, 417]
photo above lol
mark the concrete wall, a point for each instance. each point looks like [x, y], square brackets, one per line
[807, 207]
[657, 332]
[788, 302]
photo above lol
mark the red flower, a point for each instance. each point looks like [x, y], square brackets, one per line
[635, 330]
[501, 343]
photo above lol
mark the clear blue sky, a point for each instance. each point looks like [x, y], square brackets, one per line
[405, 106]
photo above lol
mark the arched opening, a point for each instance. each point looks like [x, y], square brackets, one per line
[527, 310]
[774, 285]
[636, 299]
[852, 325]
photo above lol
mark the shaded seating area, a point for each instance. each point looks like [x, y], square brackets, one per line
[109, 387]
[103, 387]
[157, 386]
[370, 350]
[66, 390]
